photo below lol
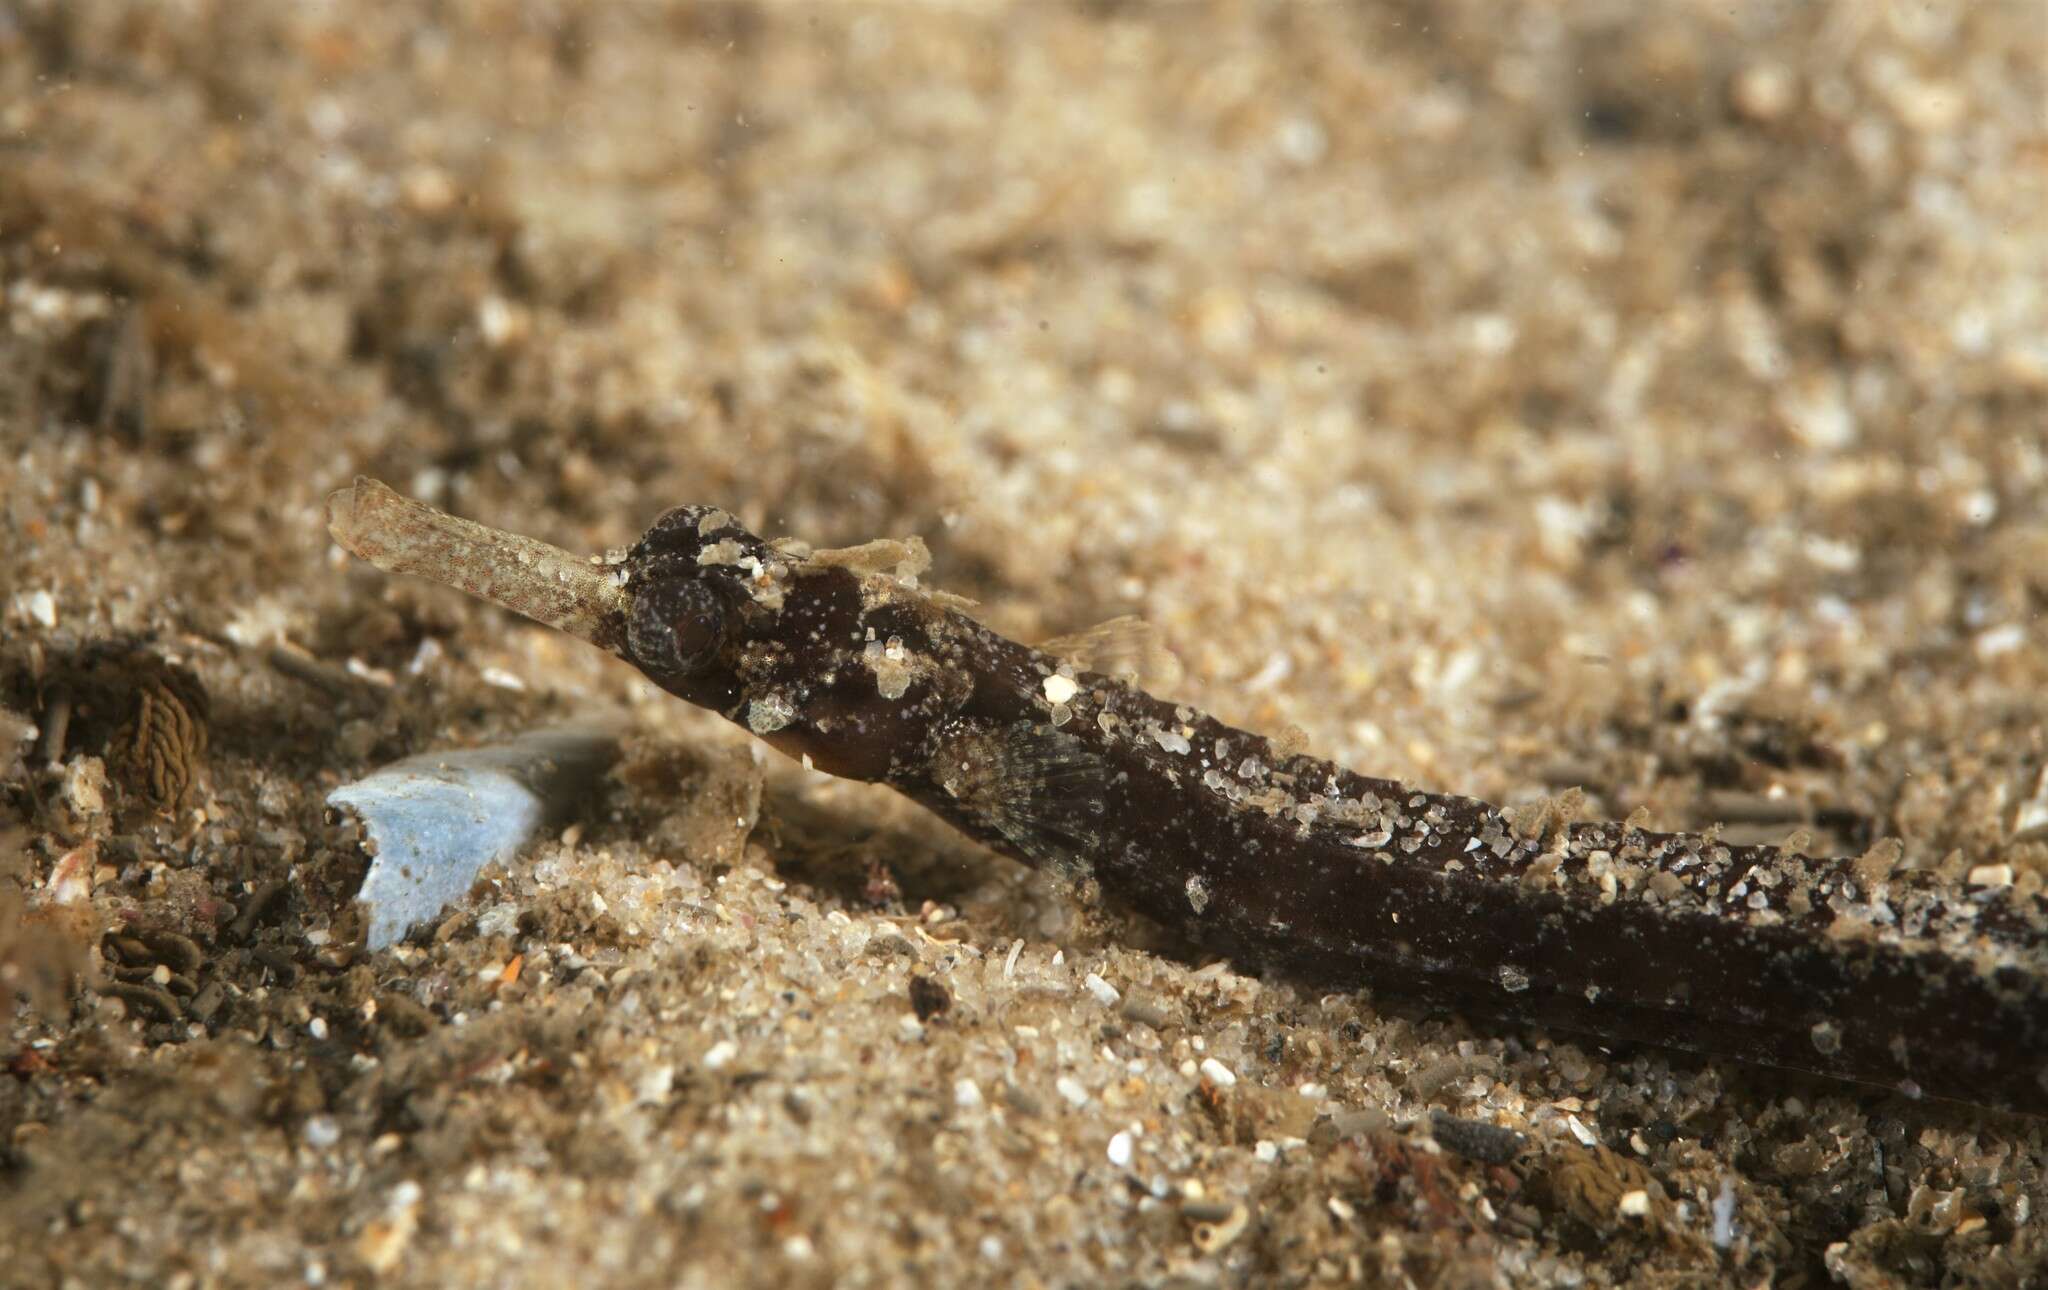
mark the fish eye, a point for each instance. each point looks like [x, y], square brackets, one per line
[676, 626]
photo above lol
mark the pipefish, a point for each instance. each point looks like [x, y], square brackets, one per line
[1843, 968]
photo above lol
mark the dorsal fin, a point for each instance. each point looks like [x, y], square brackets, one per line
[1125, 646]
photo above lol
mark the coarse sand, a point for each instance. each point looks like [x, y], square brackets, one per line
[1650, 399]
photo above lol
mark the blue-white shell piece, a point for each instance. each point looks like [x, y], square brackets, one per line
[435, 820]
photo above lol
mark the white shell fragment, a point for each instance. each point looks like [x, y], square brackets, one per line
[433, 821]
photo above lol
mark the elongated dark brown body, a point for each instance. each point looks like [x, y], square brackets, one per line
[1834, 967]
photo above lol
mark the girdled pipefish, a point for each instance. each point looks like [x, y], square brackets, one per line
[1844, 968]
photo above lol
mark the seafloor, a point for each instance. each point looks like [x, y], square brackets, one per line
[1646, 398]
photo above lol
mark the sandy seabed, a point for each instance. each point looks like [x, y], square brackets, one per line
[1651, 399]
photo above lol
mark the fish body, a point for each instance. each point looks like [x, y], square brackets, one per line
[1839, 968]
